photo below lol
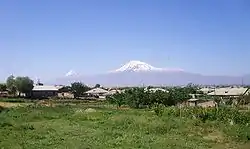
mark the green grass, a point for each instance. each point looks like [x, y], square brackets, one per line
[69, 126]
[13, 100]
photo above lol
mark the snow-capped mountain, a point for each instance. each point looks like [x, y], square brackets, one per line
[137, 73]
[138, 66]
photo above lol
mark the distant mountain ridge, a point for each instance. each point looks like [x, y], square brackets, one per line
[137, 73]
[138, 66]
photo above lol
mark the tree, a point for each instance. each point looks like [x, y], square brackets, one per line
[119, 99]
[164, 98]
[66, 89]
[179, 94]
[191, 89]
[137, 97]
[78, 89]
[97, 86]
[3, 87]
[11, 85]
[24, 85]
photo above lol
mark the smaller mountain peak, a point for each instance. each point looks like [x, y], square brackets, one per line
[70, 73]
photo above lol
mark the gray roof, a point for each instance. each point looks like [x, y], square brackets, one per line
[59, 86]
[155, 89]
[193, 99]
[112, 92]
[96, 91]
[44, 88]
[229, 91]
[206, 90]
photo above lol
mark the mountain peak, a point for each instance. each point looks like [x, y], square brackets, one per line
[137, 66]
[70, 73]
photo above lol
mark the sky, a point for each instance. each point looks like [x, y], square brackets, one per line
[45, 39]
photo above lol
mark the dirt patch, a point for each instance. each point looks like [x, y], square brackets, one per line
[9, 105]
[46, 103]
[214, 136]
[90, 110]
[124, 108]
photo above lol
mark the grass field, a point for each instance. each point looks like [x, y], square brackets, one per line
[70, 126]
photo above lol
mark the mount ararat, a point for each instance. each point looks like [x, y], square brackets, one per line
[137, 73]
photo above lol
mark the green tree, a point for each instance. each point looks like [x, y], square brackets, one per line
[137, 97]
[179, 95]
[24, 85]
[191, 89]
[66, 89]
[11, 85]
[164, 98]
[78, 89]
[119, 99]
[3, 87]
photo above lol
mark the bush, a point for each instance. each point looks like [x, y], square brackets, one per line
[141, 98]
[159, 109]
[223, 114]
[119, 99]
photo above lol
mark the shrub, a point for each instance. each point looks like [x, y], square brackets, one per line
[159, 109]
[139, 98]
[119, 99]
[223, 114]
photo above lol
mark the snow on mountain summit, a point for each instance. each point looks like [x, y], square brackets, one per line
[138, 66]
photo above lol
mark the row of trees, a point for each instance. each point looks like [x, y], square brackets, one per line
[17, 85]
[139, 98]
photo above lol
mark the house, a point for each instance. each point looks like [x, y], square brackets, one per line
[206, 104]
[193, 102]
[229, 92]
[4, 94]
[200, 103]
[206, 90]
[153, 90]
[66, 95]
[112, 92]
[97, 92]
[65, 92]
[44, 91]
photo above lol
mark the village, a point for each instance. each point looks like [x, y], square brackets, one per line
[204, 97]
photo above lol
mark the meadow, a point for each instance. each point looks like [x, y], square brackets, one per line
[100, 125]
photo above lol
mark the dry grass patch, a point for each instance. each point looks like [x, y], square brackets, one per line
[215, 136]
[10, 105]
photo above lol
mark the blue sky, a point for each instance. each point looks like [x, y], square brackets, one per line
[45, 38]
